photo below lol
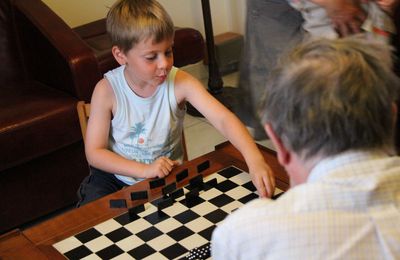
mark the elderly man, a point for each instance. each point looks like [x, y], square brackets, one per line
[330, 111]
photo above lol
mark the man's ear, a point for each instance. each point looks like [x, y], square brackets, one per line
[119, 55]
[281, 150]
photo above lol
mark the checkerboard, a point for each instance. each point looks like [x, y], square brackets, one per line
[178, 231]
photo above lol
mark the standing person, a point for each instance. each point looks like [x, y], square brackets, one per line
[330, 111]
[271, 28]
[137, 110]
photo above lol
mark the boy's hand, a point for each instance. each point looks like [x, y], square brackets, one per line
[263, 179]
[160, 167]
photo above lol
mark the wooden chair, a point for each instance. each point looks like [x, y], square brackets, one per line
[84, 112]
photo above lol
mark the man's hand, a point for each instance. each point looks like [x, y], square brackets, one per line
[347, 15]
[263, 179]
[388, 6]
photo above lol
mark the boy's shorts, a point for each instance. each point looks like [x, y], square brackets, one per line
[98, 184]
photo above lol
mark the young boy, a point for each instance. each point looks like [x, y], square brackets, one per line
[137, 110]
[378, 24]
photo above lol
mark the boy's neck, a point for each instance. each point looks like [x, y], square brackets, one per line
[143, 91]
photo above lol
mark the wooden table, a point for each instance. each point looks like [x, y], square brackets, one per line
[36, 242]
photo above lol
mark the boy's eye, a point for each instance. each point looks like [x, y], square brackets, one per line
[168, 53]
[151, 57]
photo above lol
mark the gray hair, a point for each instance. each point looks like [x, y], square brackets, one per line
[131, 21]
[331, 96]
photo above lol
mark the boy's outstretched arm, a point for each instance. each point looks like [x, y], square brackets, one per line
[96, 143]
[189, 89]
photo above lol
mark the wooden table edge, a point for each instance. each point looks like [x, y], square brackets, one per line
[43, 235]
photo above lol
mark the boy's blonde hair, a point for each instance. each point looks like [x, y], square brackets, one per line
[131, 21]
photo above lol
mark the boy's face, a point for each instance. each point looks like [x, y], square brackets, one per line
[149, 63]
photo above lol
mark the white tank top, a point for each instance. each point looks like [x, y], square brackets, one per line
[144, 129]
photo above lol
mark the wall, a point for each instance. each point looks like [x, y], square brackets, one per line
[227, 15]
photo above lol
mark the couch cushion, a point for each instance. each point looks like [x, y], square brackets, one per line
[101, 46]
[188, 47]
[34, 121]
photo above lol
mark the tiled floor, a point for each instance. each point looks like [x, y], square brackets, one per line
[201, 136]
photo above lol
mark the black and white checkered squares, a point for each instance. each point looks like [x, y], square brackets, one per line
[180, 230]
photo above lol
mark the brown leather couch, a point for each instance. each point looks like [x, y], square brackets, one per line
[45, 69]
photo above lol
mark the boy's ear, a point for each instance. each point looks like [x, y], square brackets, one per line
[119, 55]
[283, 153]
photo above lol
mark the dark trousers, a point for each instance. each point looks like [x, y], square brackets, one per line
[272, 26]
[98, 184]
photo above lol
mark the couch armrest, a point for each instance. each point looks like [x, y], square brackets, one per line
[52, 52]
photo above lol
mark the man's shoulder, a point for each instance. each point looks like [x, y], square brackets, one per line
[298, 199]
[263, 208]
